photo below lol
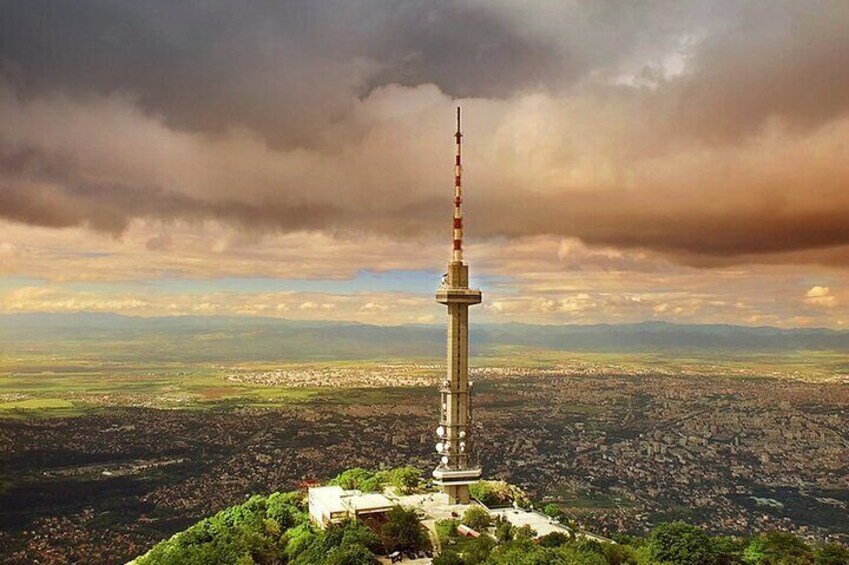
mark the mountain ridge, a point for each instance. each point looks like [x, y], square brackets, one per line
[234, 338]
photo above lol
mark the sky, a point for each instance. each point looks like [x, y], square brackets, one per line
[674, 160]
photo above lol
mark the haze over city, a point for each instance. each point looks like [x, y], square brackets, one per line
[677, 161]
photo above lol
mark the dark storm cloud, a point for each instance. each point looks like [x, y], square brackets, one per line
[286, 69]
[627, 220]
[34, 190]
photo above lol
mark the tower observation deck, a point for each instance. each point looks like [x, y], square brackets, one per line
[457, 468]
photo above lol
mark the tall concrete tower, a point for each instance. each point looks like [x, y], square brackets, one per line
[457, 468]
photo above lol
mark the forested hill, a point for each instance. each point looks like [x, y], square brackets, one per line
[275, 530]
[219, 338]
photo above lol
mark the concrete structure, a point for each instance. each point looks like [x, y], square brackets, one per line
[457, 469]
[333, 504]
[542, 524]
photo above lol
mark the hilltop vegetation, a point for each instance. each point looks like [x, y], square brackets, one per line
[275, 530]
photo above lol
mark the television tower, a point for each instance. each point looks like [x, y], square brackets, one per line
[457, 469]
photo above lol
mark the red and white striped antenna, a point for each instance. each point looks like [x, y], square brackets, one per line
[458, 196]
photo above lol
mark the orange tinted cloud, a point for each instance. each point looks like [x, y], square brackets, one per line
[620, 160]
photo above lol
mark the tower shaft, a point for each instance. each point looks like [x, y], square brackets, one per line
[457, 469]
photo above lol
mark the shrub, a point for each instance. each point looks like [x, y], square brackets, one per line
[477, 518]
[446, 529]
[552, 510]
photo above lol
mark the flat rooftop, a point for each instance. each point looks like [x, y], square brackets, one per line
[330, 497]
[434, 504]
[539, 522]
[370, 502]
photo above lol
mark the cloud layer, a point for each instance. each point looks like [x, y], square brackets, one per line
[648, 136]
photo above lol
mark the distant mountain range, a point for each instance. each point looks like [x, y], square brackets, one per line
[231, 338]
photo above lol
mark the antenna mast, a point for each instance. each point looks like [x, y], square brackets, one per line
[458, 196]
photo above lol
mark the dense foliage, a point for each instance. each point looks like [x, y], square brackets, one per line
[403, 531]
[256, 532]
[404, 479]
[477, 518]
[498, 493]
[673, 543]
[275, 530]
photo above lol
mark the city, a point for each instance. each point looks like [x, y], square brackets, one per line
[617, 450]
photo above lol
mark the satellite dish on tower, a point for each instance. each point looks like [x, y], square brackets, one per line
[440, 431]
[439, 447]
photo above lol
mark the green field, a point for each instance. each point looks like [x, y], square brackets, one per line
[40, 385]
[36, 404]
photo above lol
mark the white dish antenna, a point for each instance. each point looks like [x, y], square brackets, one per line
[440, 431]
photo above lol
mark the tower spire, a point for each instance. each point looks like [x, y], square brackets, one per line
[458, 195]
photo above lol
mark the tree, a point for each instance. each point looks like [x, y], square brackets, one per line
[360, 479]
[349, 555]
[525, 552]
[504, 530]
[286, 509]
[577, 555]
[778, 548]
[477, 518]
[247, 533]
[729, 550]
[477, 551]
[405, 479]
[552, 510]
[678, 543]
[831, 554]
[299, 539]
[358, 533]
[348, 543]
[554, 539]
[618, 554]
[525, 532]
[446, 529]
[403, 530]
